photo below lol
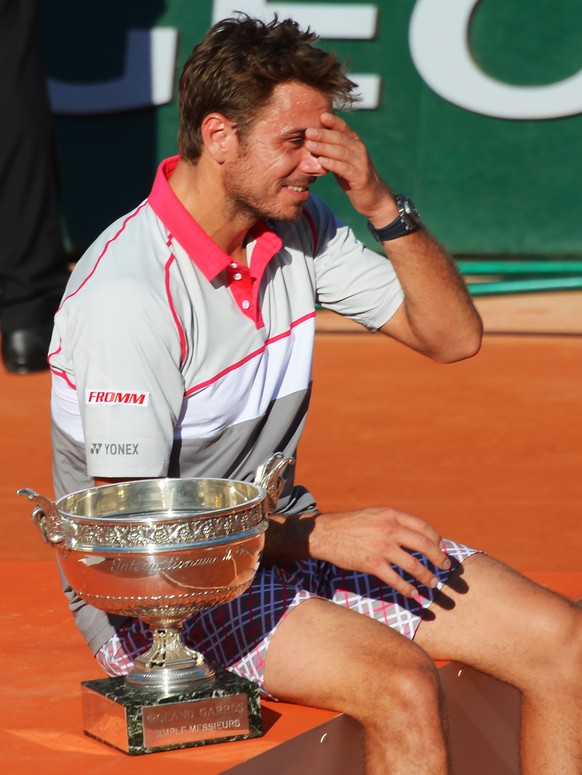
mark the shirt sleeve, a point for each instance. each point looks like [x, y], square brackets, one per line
[351, 279]
[126, 361]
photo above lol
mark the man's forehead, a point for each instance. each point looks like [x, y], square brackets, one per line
[293, 108]
[295, 103]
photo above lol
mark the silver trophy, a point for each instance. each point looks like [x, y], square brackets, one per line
[162, 550]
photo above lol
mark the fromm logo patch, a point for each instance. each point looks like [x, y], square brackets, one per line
[117, 397]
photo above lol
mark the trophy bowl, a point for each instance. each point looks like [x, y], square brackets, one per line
[162, 550]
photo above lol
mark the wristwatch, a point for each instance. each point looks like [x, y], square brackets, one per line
[407, 221]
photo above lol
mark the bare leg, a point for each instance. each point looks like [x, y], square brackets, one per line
[327, 656]
[505, 625]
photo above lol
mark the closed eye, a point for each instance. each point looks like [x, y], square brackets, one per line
[296, 139]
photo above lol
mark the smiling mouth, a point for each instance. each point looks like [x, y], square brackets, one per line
[302, 187]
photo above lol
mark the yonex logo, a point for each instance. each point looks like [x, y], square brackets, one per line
[114, 449]
[116, 397]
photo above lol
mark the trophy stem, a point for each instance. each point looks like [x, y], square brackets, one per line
[169, 665]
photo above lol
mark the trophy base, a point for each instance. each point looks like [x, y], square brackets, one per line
[139, 721]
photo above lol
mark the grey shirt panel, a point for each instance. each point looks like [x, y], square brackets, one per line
[69, 463]
[96, 626]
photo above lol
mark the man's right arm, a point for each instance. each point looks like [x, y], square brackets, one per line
[366, 540]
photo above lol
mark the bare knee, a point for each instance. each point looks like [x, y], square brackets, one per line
[417, 685]
[406, 692]
[566, 655]
[557, 670]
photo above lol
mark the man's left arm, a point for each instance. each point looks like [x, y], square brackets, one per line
[437, 317]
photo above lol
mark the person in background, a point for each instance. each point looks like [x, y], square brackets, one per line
[33, 263]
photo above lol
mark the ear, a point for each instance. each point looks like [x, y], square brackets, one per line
[219, 136]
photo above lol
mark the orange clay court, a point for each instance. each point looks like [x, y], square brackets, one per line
[488, 450]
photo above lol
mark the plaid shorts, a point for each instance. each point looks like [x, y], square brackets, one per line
[236, 635]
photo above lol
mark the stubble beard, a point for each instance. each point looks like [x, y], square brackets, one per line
[244, 205]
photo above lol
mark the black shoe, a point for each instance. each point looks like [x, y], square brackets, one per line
[25, 351]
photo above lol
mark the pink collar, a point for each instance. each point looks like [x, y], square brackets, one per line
[203, 251]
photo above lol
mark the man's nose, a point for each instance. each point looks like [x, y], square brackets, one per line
[310, 165]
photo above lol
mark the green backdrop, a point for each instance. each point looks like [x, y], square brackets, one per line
[484, 185]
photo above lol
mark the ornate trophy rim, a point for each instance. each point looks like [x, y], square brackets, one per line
[206, 513]
[140, 527]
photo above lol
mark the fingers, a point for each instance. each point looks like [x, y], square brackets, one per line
[422, 537]
[390, 577]
[335, 143]
[330, 121]
[408, 533]
[413, 567]
[340, 150]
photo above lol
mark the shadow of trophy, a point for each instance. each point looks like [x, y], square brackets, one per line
[162, 550]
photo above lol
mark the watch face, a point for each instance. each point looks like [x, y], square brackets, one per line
[407, 221]
[410, 211]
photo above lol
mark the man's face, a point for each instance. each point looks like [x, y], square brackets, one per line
[273, 170]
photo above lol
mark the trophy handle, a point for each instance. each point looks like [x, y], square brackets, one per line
[47, 517]
[268, 476]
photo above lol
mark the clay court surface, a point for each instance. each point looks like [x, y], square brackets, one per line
[488, 450]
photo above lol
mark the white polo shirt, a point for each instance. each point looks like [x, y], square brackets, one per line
[168, 358]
